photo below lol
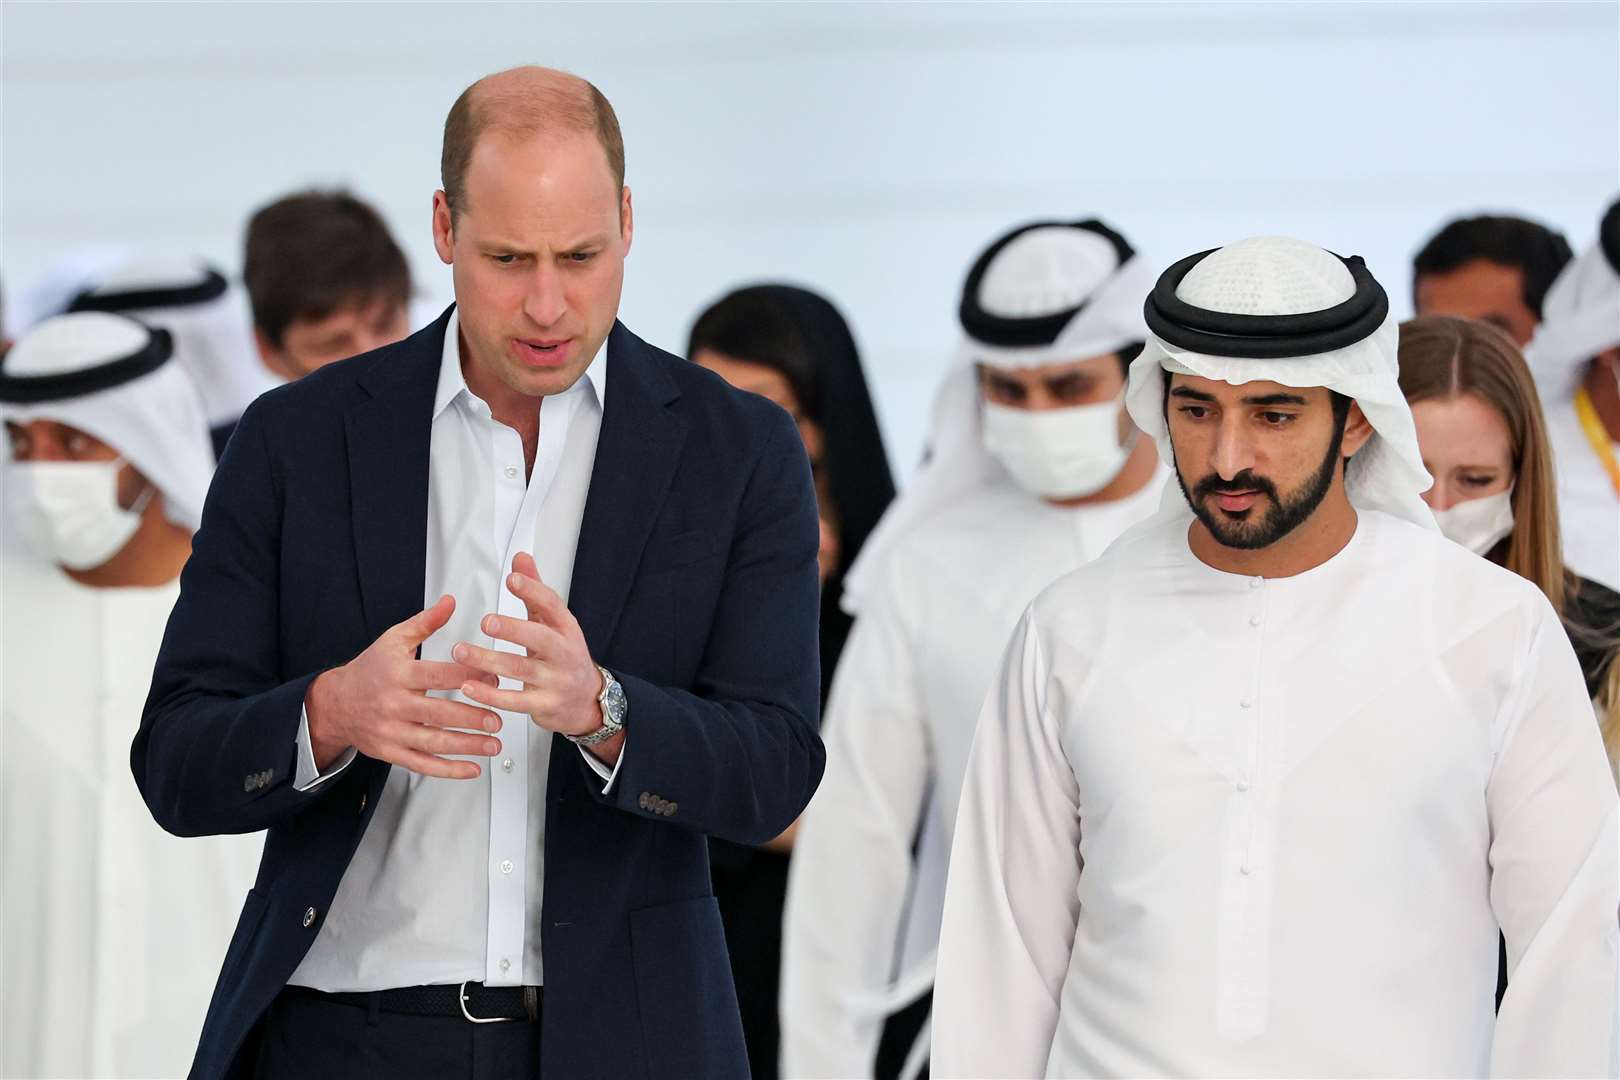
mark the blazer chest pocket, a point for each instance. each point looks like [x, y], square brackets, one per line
[682, 549]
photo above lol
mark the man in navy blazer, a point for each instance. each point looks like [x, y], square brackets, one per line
[486, 850]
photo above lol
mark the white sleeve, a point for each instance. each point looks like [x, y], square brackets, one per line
[852, 867]
[1555, 873]
[308, 777]
[1012, 898]
[606, 774]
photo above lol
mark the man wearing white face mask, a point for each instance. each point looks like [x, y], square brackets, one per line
[1034, 469]
[110, 924]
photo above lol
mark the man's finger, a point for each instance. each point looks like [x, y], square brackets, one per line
[428, 765]
[443, 741]
[453, 714]
[542, 641]
[488, 664]
[437, 675]
[518, 701]
[539, 599]
[424, 624]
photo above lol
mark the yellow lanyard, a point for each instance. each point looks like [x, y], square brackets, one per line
[1599, 438]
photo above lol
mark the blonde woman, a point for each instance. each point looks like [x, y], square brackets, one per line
[1484, 440]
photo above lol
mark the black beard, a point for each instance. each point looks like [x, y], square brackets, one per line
[1281, 517]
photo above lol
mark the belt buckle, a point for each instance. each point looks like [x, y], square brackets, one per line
[461, 999]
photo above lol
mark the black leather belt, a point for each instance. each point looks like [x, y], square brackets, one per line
[471, 1001]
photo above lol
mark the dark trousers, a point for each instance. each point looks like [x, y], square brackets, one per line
[306, 1036]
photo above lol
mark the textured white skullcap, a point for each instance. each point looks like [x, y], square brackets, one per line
[1268, 275]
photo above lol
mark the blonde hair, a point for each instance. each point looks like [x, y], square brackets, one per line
[1443, 357]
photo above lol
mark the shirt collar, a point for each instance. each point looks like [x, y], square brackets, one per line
[453, 384]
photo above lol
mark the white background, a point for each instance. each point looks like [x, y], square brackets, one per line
[866, 150]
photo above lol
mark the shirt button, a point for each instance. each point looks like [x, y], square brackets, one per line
[506, 764]
[504, 965]
[1256, 582]
[1245, 703]
[1254, 620]
[309, 918]
[1243, 785]
[511, 472]
[506, 866]
[1245, 870]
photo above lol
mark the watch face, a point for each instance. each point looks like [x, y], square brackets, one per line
[613, 702]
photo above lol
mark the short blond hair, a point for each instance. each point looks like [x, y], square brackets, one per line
[522, 101]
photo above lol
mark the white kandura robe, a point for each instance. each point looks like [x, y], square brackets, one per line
[861, 912]
[1226, 826]
[112, 930]
[1588, 507]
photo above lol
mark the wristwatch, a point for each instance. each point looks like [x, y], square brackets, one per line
[613, 704]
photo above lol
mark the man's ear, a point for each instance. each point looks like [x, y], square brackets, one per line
[1356, 431]
[443, 228]
[271, 356]
[627, 219]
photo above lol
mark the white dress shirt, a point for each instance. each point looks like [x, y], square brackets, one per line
[446, 884]
[1226, 826]
[862, 916]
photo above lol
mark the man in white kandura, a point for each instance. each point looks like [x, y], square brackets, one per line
[1035, 469]
[108, 925]
[1255, 790]
[1575, 356]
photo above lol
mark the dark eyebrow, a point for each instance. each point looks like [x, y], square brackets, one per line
[1275, 399]
[1186, 392]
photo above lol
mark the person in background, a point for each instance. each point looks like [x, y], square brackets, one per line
[792, 346]
[1034, 470]
[1484, 441]
[1575, 357]
[325, 279]
[205, 316]
[1493, 267]
[110, 924]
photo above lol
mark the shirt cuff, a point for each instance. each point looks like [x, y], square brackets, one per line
[308, 777]
[602, 770]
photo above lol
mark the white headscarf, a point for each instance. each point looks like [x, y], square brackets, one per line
[213, 337]
[154, 421]
[1044, 270]
[1580, 316]
[1281, 276]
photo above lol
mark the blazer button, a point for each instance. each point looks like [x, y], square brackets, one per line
[309, 918]
[362, 802]
[669, 809]
[645, 801]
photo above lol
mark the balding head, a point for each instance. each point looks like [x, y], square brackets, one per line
[521, 102]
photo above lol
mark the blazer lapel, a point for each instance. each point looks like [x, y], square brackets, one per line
[636, 455]
[389, 437]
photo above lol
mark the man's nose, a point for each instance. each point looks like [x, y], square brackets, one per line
[1232, 452]
[545, 303]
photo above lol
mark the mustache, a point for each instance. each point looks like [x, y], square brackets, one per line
[1243, 481]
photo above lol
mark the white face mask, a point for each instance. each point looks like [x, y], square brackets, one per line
[1478, 523]
[68, 511]
[1057, 453]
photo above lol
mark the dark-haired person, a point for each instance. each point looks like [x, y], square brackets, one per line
[1494, 267]
[326, 281]
[1255, 791]
[1480, 427]
[1575, 357]
[792, 346]
[492, 629]
[206, 317]
[110, 926]
[1034, 470]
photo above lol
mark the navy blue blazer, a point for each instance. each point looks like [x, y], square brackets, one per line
[695, 583]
